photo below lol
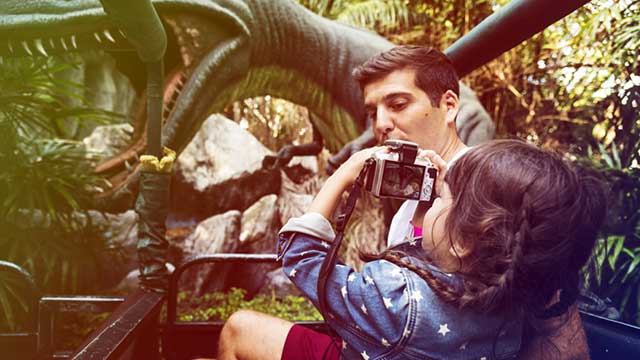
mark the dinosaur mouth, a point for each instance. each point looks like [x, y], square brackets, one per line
[107, 39]
[185, 47]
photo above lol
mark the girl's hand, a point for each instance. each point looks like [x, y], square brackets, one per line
[442, 167]
[350, 169]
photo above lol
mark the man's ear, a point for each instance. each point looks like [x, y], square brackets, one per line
[450, 102]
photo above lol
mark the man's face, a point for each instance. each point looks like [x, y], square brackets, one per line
[400, 110]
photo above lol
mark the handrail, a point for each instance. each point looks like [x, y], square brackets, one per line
[49, 306]
[184, 340]
[135, 319]
[610, 339]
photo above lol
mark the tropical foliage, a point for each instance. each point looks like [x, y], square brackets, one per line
[275, 122]
[614, 273]
[45, 177]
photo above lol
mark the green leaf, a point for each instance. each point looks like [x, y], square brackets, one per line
[616, 156]
[618, 244]
[605, 156]
[631, 268]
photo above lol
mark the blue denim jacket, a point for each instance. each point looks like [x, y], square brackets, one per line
[387, 311]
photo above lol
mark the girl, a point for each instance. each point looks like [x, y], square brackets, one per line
[502, 246]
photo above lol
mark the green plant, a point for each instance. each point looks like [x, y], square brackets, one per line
[17, 303]
[615, 274]
[219, 306]
[613, 271]
[44, 180]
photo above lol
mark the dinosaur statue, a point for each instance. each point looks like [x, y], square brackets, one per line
[219, 51]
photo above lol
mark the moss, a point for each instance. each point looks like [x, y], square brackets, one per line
[219, 306]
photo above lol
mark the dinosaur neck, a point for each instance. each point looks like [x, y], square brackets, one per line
[333, 121]
[288, 36]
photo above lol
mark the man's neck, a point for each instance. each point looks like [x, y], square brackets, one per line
[451, 148]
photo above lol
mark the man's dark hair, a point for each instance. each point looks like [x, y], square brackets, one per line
[435, 73]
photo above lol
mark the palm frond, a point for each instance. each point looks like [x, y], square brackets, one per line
[323, 7]
[43, 182]
[381, 16]
[49, 175]
[35, 101]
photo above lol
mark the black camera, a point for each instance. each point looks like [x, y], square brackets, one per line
[399, 174]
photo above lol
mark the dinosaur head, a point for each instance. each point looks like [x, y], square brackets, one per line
[193, 30]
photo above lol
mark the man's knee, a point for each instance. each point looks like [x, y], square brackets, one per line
[239, 322]
[246, 328]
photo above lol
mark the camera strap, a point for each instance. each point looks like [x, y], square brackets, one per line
[330, 260]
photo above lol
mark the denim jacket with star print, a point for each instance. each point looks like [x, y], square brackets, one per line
[387, 311]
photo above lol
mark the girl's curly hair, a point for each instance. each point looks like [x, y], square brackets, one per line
[531, 219]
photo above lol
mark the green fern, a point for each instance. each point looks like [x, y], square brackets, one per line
[44, 180]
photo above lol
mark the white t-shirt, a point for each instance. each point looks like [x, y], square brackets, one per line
[401, 229]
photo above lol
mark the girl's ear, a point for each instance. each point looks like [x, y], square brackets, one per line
[461, 250]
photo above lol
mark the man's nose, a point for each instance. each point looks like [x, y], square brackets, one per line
[384, 122]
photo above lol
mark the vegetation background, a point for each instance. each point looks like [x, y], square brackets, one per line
[574, 88]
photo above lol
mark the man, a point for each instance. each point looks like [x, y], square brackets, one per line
[473, 125]
[410, 93]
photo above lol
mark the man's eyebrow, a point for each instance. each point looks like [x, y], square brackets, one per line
[394, 95]
[389, 97]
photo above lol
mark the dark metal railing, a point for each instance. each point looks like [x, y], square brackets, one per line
[50, 306]
[38, 337]
[187, 340]
[610, 339]
[131, 331]
[172, 295]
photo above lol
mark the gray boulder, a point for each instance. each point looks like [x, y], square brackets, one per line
[218, 234]
[220, 170]
[108, 140]
[295, 198]
[131, 282]
[260, 224]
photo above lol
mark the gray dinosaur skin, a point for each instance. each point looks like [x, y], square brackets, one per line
[246, 48]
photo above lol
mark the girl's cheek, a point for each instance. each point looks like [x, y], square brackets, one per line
[431, 214]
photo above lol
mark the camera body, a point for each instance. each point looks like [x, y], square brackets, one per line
[399, 174]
